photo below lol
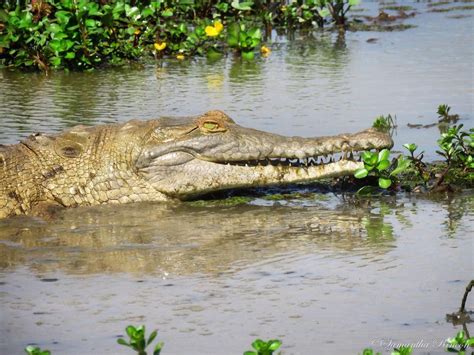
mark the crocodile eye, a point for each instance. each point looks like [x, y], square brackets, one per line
[212, 126]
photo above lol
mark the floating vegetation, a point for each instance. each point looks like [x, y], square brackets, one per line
[227, 202]
[296, 196]
[398, 8]
[454, 8]
[377, 27]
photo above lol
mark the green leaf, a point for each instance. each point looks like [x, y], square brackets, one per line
[258, 344]
[384, 183]
[90, 23]
[367, 156]
[63, 16]
[242, 6]
[130, 331]
[384, 164]
[55, 61]
[167, 13]
[255, 33]
[250, 353]
[151, 337]
[354, 2]
[361, 173]
[383, 154]
[148, 11]
[158, 348]
[70, 55]
[411, 147]
[122, 341]
[274, 344]
[402, 165]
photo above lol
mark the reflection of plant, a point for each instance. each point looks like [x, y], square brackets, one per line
[138, 341]
[459, 343]
[34, 350]
[264, 347]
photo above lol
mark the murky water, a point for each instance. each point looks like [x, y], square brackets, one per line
[322, 273]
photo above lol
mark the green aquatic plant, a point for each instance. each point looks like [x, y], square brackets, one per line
[338, 9]
[457, 147]
[459, 343]
[403, 350]
[444, 116]
[384, 123]
[419, 167]
[369, 351]
[244, 39]
[264, 347]
[86, 34]
[379, 165]
[138, 342]
[34, 350]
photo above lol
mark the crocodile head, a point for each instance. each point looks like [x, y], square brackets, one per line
[186, 157]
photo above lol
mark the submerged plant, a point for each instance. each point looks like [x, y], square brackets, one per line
[264, 347]
[137, 340]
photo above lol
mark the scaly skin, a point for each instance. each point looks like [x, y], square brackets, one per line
[162, 159]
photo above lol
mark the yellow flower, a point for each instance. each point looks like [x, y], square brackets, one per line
[265, 51]
[213, 31]
[160, 46]
[137, 32]
[218, 26]
[180, 57]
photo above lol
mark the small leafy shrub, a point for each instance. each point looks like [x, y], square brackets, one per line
[459, 343]
[384, 123]
[419, 167]
[457, 147]
[137, 340]
[264, 347]
[34, 350]
[444, 116]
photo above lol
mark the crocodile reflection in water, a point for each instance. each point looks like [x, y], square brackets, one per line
[182, 239]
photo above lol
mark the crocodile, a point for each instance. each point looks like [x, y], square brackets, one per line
[169, 158]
